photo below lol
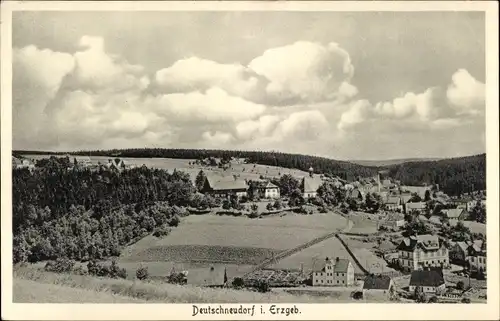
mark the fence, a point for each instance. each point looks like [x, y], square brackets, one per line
[352, 254]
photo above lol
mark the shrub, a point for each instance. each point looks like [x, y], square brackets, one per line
[254, 207]
[460, 285]
[80, 270]
[323, 210]
[465, 300]
[263, 286]
[142, 273]
[278, 205]
[61, 265]
[244, 199]
[358, 295]
[269, 206]
[253, 215]
[433, 299]
[226, 204]
[161, 231]
[174, 221]
[238, 282]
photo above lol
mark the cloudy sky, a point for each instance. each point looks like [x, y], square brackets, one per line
[341, 85]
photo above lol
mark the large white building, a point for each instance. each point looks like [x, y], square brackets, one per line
[418, 252]
[338, 272]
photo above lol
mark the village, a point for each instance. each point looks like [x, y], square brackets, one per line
[432, 249]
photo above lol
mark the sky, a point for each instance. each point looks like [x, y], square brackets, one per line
[360, 85]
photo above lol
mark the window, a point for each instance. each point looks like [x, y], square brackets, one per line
[337, 281]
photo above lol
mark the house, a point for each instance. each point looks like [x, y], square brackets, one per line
[428, 280]
[266, 189]
[393, 203]
[472, 204]
[225, 186]
[310, 185]
[209, 277]
[461, 203]
[378, 286]
[417, 252]
[459, 253]
[456, 213]
[354, 194]
[476, 256]
[338, 272]
[405, 198]
[418, 207]
[116, 164]
[419, 190]
[394, 220]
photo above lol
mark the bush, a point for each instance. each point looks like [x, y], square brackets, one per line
[142, 273]
[174, 221]
[238, 282]
[269, 206]
[226, 204]
[61, 265]
[244, 199]
[278, 205]
[323, 210]
[112, 271]
[465, 300]
[161, 231]
[460, 285]
[263, 286]
[433, 299]
[357, 295]
[253, 215]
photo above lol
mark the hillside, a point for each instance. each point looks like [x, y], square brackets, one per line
[390, 162]
[454, 176]
[34, 285]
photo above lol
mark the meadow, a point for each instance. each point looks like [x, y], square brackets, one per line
[475, 227]
[238, 243]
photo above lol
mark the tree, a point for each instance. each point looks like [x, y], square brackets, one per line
[269, 206]
[296, 198]
[254, 207]
[226, 204]
[478, 212]
[277, 204]
[460, 285]
[238, 282]
[288, 184]
[427, 196]
[200, 180]
[415, 198]
[420, 296]
[142, 273]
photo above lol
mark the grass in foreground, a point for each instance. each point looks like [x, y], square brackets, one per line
[34, 285]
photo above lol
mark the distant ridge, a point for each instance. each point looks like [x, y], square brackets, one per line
[389, 162]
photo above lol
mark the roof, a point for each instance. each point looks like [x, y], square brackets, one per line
[435, 219]
[311, 184]
[226, 183]
[415, 206]
[463, 245]
[265, 184]
[394, 200]
[341, 265]
[319, 266]
[405, 198]
[432, 277]
[453, 213]
[377, 282]
[395, 217]
[426, 241]
[386, 182]
[420, 190]
[207, 277]
[477, 247]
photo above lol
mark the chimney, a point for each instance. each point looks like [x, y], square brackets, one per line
[327, 259]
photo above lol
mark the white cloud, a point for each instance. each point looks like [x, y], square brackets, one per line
[195, 74]
[307, 71]
[213, 106]
[466, 93]
[261, 127]
[218, 139]
[304, 125]
[358, 112]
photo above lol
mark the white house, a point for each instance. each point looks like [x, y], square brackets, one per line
[338, 272]
[429, 281]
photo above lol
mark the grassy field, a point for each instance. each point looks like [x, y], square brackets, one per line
[362, 224]
[33, 285]
[237, 243]
[314, 255]
[249, 171]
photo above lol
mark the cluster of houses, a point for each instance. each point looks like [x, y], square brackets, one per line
[224, 186]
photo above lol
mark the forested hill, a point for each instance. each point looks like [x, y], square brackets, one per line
[454, 175]
[342, 169]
